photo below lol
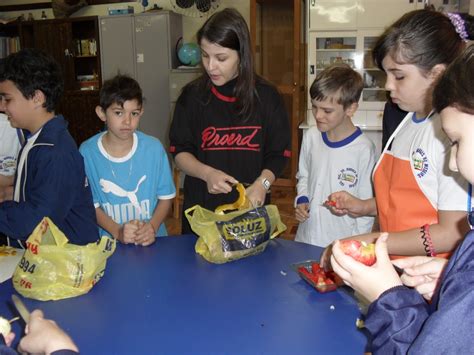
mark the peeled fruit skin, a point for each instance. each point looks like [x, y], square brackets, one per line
[239, 204]
[360, 251]
[5, 327]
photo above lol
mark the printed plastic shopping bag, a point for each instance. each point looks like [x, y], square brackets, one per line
[227, 237]
[53, 269]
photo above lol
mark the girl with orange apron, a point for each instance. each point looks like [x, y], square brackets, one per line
[411, 179]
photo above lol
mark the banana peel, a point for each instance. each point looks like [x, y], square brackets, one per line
[241, 203]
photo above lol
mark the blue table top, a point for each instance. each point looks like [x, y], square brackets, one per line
[167, 299]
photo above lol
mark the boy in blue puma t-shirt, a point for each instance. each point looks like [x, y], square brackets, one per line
[128, 171]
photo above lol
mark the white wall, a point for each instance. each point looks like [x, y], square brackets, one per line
[190, 24]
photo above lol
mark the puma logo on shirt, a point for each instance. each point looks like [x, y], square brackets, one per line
[110, 187]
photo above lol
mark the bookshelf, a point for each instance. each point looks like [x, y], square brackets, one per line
[81, 66]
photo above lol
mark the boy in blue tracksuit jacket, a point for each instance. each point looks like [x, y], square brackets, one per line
[50, 179]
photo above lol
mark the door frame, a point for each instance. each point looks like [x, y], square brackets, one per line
[297, 90]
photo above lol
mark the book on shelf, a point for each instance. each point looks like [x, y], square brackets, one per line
[86, 47]
[9, 45]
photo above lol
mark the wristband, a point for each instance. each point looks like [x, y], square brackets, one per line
[300, 199]
[426, 239]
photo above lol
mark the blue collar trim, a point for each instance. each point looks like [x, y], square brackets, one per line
[344, 142]
[417, 120]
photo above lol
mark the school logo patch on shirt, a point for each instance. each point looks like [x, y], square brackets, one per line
[348, 177]
[7, 165]
[230, 138]
[419, 162]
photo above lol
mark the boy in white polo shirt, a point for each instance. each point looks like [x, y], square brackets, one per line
[334, 156]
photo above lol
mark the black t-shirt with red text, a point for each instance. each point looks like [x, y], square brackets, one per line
[206, 125]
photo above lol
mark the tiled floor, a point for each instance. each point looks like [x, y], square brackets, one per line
[283, 197]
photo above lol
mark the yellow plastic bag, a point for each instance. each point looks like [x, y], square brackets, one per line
[53, 269]
[227, 237]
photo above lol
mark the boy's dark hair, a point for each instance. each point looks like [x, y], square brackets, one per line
[339, 81]
[228, 29]
[455, 87]
[30, 70]
[423, 38]
[119, 89]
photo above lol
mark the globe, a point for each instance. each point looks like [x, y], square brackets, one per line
[189, 54]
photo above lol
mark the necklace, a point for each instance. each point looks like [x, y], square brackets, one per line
[130, 168]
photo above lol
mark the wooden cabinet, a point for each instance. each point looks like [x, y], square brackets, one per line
[74, 44]
[78, 107]
[277, 31]
[54, 38]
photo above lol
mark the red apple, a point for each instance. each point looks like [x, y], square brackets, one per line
[360, 251]
[320, 280]
[331, 203]
[329, 281]
[315, 268]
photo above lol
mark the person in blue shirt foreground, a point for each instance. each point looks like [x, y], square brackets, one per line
[399, 319]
